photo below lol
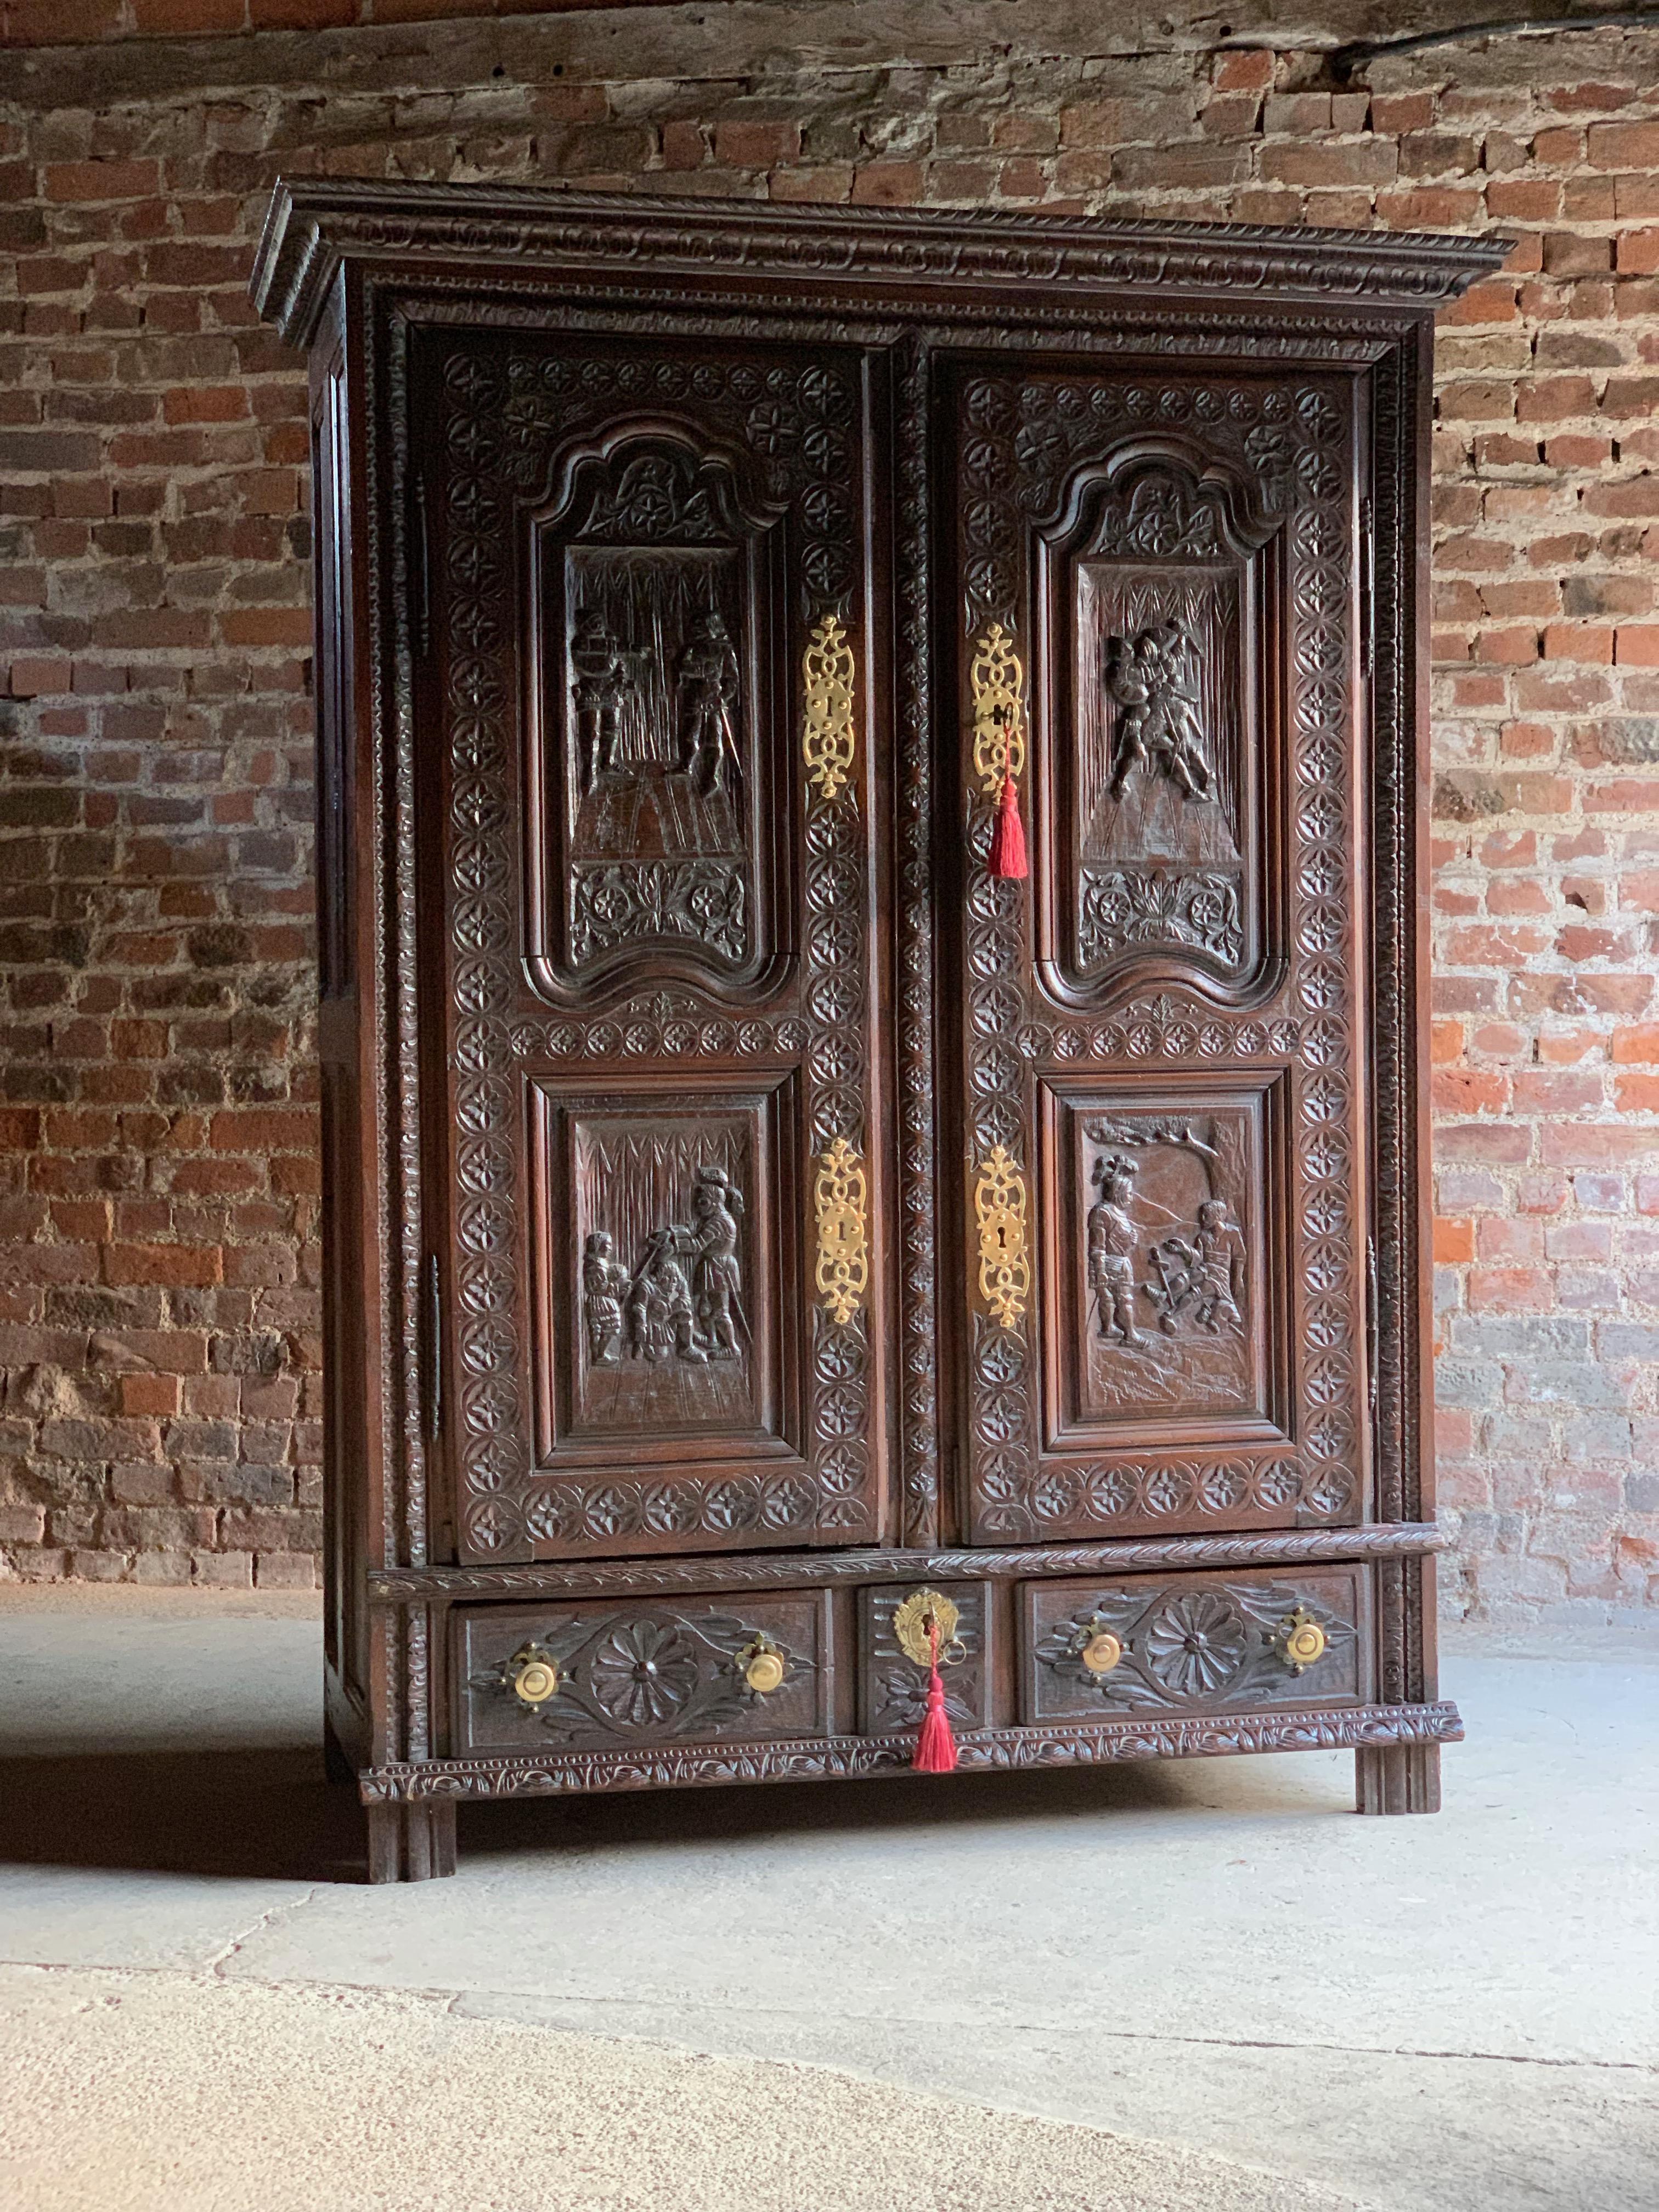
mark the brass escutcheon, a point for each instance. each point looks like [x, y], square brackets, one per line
[534, 1676]
[764, 1666]
[1302, 1640]
[1102, 1651]
[913, 1625]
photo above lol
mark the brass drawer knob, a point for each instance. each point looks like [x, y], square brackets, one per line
[1301, 1641]
[1102, 1652]
[534, 1677]
[764, 1666]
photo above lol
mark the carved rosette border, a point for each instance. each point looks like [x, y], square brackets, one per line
[505, 416]
[918, 1149]
[1021, 440]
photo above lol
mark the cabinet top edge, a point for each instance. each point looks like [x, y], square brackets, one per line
[312, 227]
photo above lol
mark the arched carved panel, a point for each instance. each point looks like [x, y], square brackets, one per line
[656, 760]
[1158, 618]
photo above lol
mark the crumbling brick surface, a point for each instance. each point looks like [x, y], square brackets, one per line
[158, 1314]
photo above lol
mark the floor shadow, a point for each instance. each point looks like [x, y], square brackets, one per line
[746, 1813]
[270, 1813]
[262, 1813]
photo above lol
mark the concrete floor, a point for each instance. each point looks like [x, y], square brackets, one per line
[1451, 2014]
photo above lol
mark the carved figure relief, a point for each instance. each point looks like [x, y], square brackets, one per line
[654, 562]
[1168, 1322]
[666, 1333]
[1165, 1263]
[1159, 772]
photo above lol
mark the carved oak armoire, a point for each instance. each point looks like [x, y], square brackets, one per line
[872, 973]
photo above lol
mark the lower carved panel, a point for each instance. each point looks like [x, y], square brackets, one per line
[1189, 1643]
[642, 1673]
[1359, 1728]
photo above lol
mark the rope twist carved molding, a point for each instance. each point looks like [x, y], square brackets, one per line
[394, 1585]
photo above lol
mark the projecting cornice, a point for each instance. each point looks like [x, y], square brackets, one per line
[311, 229]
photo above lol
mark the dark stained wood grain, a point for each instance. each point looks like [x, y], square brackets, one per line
[669, 560]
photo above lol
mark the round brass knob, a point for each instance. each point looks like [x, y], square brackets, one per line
[765, 1671]
[1301, 1641]
[1305, 1643]
[1102, 1652]
[535, 1677]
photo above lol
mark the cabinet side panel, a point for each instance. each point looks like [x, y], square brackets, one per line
[346, 1159]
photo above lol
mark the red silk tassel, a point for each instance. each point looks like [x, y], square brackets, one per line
[1008, 861]
[936, 1747]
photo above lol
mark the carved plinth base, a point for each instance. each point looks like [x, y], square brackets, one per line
[411, 1842]
[1402, 1778]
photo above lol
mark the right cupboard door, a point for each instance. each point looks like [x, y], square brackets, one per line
[1156, 649]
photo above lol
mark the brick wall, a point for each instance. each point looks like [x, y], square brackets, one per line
[157, 1309]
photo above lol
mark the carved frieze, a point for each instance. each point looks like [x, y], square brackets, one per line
[1195, 1643]
[642, 1673]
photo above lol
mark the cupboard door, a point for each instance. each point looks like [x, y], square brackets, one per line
[652, 668]
[1155, 635]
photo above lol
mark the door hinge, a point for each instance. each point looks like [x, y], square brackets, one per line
[432, 1349]
[1370, 1324]
[1367, 588]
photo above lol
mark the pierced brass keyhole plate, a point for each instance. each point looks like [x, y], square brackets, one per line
[913, 1625]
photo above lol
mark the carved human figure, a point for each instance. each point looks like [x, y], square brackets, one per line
[660, 1318]
[707, 698]
[716, 1277]
[605, 1286]
[1113, 1236]
[1203, 1281]
[601, 676]
[1154, 680]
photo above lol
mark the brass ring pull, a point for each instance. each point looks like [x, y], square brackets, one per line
[532, 1676]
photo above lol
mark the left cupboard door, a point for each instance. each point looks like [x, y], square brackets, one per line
[648, 655]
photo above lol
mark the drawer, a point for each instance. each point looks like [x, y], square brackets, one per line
[1197, 1643]
[733, 1669]
[893, 1663]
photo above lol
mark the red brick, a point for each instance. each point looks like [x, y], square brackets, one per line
[1249, 70]
[181, 1265]
[1624, 145]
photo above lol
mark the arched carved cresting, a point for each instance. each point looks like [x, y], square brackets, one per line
[1162, 1125]
[656, 677]
[1154, 779]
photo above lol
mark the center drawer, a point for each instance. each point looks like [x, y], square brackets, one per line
[732, 1668]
